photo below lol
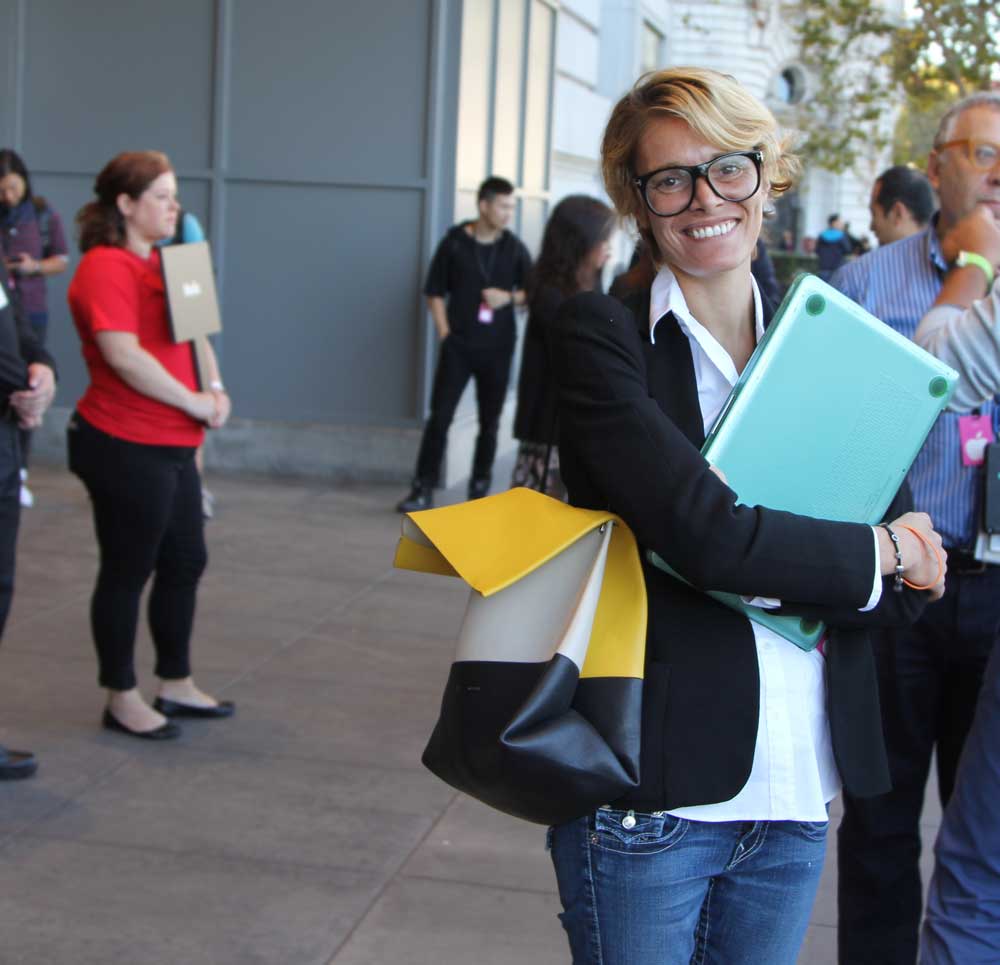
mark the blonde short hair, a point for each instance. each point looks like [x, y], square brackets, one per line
[714, 106]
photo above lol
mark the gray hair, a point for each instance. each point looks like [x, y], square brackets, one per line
[983, 98]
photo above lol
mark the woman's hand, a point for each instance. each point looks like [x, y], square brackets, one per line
[23, 264]
[202, 406]
[223, 407]
[30, 404]
[919, 561]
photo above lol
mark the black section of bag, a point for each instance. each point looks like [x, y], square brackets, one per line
[535, 741]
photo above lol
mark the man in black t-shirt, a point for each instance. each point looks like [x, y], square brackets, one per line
[476, 279]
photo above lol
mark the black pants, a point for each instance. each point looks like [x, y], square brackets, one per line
[458, 362]
[929, 679]
[147, 513]
[10, 514]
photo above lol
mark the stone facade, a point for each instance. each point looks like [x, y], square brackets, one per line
[603, 45]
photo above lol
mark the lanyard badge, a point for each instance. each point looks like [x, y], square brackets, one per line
[975, 433]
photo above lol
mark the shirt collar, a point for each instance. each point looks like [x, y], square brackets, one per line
[933, 249]
[665, 296]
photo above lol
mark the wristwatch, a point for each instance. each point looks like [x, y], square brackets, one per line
[974, 258]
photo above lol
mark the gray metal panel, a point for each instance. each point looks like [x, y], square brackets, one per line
[8, 70]
[320, 324]
[113, 75]
[330, 92]
[66, 194]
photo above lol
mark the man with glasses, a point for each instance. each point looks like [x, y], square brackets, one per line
[481, 269]
[930, 674]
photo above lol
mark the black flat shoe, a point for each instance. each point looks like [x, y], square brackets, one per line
[165, 731]
[16, 765]
[173, 708]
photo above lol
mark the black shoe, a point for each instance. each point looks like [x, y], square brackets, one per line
[479, 487]
[164, 732]
[421, 497]
[15, 765]
[173, 708]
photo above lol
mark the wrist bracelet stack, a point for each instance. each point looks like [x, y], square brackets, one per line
[897, 584]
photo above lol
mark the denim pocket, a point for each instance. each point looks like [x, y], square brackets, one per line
[813, 830]
[633, 832]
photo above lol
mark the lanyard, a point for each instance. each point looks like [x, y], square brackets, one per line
[486, 270]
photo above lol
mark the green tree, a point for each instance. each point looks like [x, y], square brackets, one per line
[865, 65]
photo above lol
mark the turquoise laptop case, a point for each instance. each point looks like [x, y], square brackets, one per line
[825, 421]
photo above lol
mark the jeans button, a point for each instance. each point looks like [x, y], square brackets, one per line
[628, 822]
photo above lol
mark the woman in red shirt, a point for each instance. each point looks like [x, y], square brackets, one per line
[132, 442]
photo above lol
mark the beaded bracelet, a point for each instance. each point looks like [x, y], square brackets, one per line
[897, 584]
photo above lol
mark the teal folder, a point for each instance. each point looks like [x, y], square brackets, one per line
[825, 421]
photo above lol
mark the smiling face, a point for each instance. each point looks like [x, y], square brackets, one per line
[712, 236]
[959, 183]
[153, 215]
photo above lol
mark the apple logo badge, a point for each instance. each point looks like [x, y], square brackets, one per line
[975, 449]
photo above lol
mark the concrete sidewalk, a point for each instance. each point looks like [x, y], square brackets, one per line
[302, 832]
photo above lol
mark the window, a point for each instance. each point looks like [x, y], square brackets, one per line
[789, 87]
[652, 48]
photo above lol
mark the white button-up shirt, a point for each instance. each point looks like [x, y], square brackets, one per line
[794, 775]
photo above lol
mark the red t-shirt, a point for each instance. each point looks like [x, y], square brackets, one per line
[114, 290]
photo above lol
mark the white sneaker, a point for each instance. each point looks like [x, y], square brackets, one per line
[27, 496]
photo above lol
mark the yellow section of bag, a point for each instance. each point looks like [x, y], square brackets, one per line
[493, 542]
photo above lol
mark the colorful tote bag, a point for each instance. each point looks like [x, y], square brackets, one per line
[540, 717]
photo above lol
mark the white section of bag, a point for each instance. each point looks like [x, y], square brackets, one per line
[550, 610]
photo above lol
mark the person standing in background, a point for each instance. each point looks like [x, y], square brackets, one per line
[575, 247]
[34, 246]
[476, 279]
[832, 247]
[930, 674]
[27, 387]
[962, 924]
[132, 441]
[901, 204]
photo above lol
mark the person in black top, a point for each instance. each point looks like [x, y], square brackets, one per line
[477, 276]
[745, 739]
[575, 247]
[27, 387]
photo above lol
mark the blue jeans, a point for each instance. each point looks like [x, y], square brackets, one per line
[962, 926]
[668, 891]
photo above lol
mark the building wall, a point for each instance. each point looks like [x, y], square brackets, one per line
[317, 149]
[751, 39]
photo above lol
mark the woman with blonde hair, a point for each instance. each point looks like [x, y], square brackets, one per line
[716, 855]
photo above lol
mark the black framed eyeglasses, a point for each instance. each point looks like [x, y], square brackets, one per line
[732, 177]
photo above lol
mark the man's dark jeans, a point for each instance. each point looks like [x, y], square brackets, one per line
[930, 675]
[459, 361]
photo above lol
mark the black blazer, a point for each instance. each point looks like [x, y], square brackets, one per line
[630, 432]
[19, 346]
[535, 416]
